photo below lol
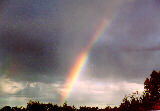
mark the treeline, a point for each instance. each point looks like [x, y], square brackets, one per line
[133, 102]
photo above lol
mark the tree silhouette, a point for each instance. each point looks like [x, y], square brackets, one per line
[152, 89]
[6, 108]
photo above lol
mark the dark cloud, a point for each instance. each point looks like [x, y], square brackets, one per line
[40, 41]
[132, 50]
[32, 53]
[44, 38]
[29, 43]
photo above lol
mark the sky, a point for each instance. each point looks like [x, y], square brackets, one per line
[40, 41]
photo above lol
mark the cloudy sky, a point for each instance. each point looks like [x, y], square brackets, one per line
[40, 41]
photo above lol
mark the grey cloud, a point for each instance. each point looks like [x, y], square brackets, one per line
[132, 50]
[31, 91]
[41, 40]
[41, 92]
[55, 40]
[46, 37]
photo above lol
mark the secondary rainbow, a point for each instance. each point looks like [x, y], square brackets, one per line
[81, 60]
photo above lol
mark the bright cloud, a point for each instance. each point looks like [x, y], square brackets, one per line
[11, 87]
[100, 93]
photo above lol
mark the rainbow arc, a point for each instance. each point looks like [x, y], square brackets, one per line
[81, 61]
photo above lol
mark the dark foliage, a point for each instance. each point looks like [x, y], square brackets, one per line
[132, 102]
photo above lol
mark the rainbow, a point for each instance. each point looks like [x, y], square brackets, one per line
[81, 60]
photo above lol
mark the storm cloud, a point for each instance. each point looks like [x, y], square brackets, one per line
[40, 41]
